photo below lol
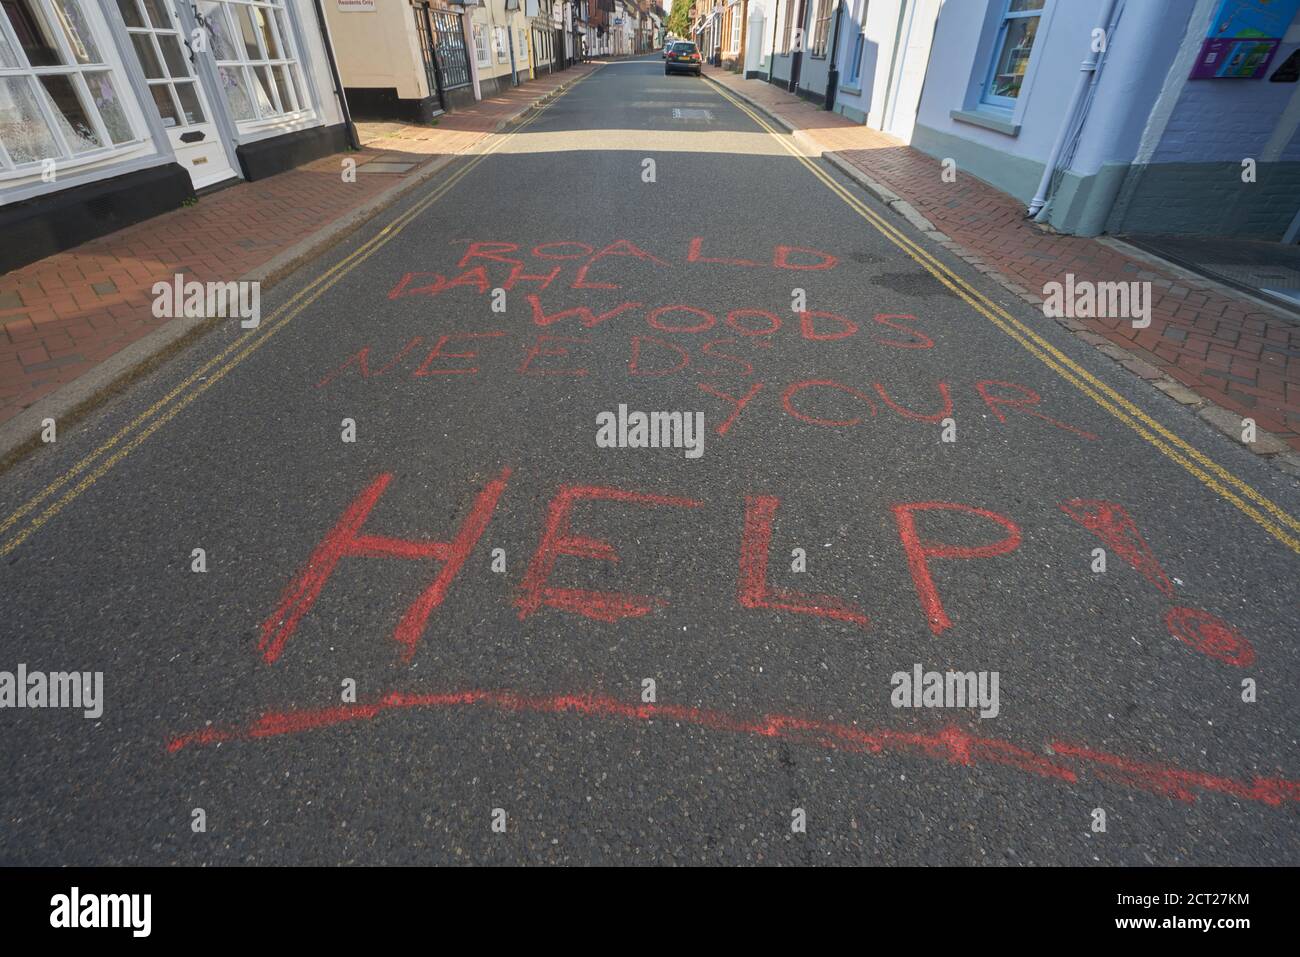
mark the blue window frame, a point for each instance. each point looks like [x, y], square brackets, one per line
[855, 61]
[1011, 52]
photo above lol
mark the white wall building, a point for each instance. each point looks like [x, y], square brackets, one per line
[112, 111]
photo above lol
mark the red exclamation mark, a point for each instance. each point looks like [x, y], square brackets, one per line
[1200, 630]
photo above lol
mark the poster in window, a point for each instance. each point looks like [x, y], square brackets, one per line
[1243, 38]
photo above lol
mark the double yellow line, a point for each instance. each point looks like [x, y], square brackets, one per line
[1267, 514]
[131, 436]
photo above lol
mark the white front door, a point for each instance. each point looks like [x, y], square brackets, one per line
[178, 96]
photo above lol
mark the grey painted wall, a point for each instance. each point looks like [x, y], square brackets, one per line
[1207, 199]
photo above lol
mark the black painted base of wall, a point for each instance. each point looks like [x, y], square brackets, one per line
[45, 225]
[279, 153]
[755, 74]
[367, 103]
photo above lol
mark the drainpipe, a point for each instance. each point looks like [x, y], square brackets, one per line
[796, 56]
[353, 140]
[833, 73]
[771, 57]
[510, 38]
[471, 51]
[1087, 76]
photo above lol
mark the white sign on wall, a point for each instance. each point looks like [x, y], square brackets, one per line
[355, 6]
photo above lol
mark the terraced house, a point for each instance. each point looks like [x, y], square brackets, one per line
[112, 111]
[1120, 116]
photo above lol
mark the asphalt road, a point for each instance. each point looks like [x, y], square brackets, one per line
[522, 690]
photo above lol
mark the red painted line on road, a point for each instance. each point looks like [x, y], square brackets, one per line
[1176, 782]
[952, 744]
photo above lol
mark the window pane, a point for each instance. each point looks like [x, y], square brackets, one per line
[70, 113]
[244, 17]
[268, 35]
[22, 127]
[214, 20]
[158, 14]
[189, 103]
[171, 51]
[73, 20]
[286, 41]
[236, 90]
[265, 102]
[144, 52]
[110, 107]
[8, 55]
[1019, 6]
[33, 33]
[1014, 58]
[304, 102]
[130, 13]
[162, 99]
[282, 86]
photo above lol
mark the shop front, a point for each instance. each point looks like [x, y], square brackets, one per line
[112, 111]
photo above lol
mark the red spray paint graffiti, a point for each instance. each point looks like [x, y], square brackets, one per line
[558, 539]
[1114, 526]
[951, 745]
[753, 590]
[345, 540]
[1200, 630]
[920, 552]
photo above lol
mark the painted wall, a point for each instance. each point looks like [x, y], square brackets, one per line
[1187, 174]
[1009, 150]
[963, 49]
[493, 13]
[378, 49]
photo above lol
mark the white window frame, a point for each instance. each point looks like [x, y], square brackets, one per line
[482, 49]
[167, 81]
[290, 60]
[13, 173]
[735, 28]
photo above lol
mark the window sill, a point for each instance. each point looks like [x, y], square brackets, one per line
[32, 172]
[855, 89]
[988, 120]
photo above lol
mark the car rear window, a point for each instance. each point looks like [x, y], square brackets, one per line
[683, 47]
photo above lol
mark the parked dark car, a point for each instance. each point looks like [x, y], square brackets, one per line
[684, 57]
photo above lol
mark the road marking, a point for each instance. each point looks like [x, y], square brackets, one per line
[254, 339]
[1268, 515]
